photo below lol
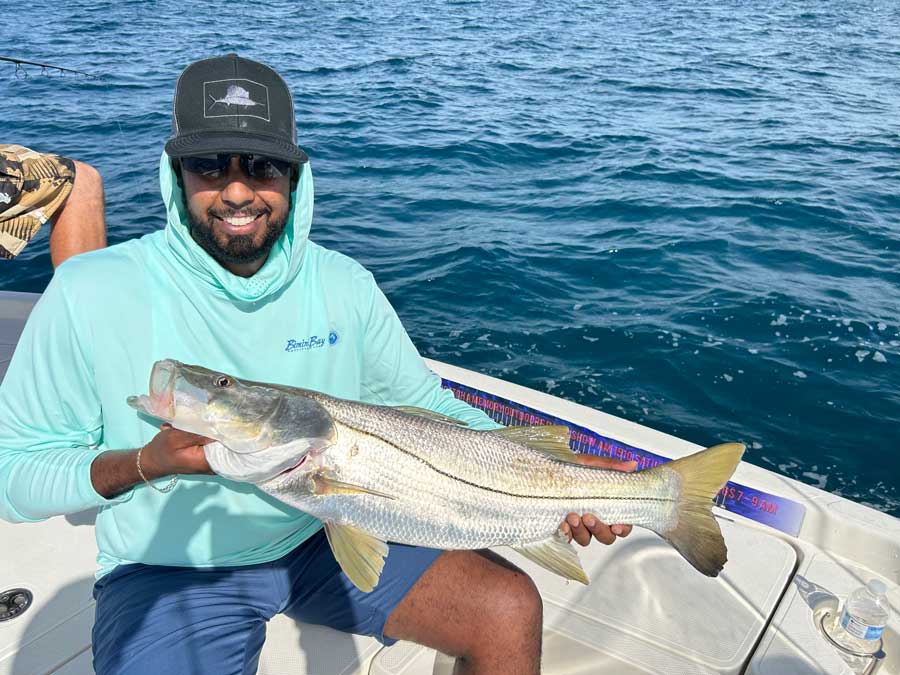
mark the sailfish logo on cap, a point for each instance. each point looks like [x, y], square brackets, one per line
[235, 98]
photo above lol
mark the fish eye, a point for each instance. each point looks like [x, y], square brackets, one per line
[223, 381]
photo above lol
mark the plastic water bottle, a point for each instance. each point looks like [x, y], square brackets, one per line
[863, 618]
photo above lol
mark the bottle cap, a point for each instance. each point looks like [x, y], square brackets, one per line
[877, 587]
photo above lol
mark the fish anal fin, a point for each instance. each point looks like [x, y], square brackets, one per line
[557, 555]
[360, 555]
[551, 439]
[430, 415]
[327, 485]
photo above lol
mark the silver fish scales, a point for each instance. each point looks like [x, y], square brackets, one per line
[375, 473]
[456, 488]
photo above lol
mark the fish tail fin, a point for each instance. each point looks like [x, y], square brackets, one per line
[696, 534]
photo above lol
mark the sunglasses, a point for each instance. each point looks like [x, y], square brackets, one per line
[254, 166]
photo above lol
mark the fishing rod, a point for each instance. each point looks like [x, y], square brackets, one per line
[22, 73]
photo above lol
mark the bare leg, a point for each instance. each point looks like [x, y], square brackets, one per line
[477, 607]
[80, 225]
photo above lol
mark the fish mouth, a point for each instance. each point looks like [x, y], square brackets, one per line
[160, 402]
[162, 388]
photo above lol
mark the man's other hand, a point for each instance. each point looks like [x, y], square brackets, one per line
[582, 528]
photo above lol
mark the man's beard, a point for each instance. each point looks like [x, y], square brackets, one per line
[237, 249]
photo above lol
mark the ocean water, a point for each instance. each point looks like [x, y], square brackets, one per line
[684, 215]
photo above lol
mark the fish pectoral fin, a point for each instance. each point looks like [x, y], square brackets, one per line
[551, 439]
[430, 414]
[557, 555]
[360, 555]
[326, 485]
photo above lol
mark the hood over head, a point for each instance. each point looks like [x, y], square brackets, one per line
[284, 261]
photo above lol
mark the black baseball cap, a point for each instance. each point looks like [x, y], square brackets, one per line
[229, 104]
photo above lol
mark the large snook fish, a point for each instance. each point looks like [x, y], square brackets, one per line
[376, 473]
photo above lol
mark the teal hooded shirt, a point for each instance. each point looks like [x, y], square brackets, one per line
[309, 317]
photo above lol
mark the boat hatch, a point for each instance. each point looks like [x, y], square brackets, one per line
[648, 611]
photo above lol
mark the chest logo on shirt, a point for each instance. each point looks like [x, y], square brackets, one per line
[312, 342]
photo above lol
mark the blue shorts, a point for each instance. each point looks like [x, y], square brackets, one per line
[159, 619]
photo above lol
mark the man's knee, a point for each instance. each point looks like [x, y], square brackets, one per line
[505, 634]
[468, 600]
[514, 605]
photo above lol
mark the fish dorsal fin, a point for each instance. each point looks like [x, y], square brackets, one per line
[430, 415]
[360, 555]
[551, 439]
[557, 555]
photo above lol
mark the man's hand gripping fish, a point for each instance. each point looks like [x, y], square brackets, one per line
[376, 473]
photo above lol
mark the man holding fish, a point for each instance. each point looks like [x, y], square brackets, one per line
[193, 564]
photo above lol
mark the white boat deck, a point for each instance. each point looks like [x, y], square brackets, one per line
[646, 610]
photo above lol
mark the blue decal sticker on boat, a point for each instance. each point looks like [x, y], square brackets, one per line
[780, 513]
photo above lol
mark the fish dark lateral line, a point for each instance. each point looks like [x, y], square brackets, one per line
[503, 492]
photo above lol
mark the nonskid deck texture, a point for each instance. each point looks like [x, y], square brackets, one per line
[646, 610]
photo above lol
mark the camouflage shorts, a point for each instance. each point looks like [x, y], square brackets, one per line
[33, 187]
